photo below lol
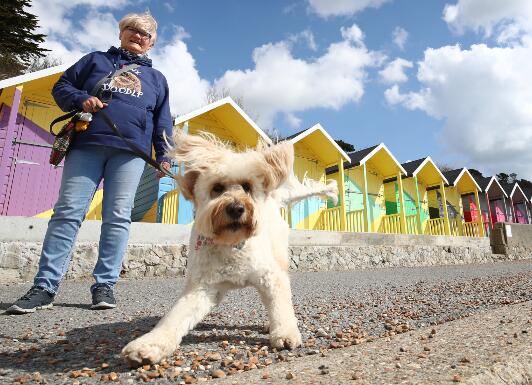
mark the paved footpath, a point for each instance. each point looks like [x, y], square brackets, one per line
[432, 325]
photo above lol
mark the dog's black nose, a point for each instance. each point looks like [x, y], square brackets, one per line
[235, 210]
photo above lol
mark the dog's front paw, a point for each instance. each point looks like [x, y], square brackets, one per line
[148, 349]
[288, 338]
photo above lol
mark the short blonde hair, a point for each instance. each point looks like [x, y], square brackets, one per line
[142, 21]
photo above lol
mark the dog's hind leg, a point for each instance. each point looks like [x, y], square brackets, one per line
[166, 336]
[274, 290]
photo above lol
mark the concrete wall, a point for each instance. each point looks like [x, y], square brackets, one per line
[161, 250]
[511, 239]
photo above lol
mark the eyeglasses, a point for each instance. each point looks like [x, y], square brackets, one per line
[143, 35]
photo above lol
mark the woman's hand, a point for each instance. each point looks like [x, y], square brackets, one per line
[93, 104]
[164, 165]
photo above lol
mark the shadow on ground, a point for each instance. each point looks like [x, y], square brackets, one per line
[92, 346]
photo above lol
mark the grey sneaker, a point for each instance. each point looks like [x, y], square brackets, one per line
[35, 299]
[103, 297]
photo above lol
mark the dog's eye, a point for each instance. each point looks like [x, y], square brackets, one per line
[218, 188]
[246, 186]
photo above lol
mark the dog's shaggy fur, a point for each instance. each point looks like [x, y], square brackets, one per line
[238, 238]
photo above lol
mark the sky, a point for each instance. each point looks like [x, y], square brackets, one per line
[448, 79]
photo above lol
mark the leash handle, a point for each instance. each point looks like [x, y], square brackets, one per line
[66, 116]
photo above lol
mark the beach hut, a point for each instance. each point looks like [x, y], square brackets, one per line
[424, 190]
[492, 201]
[518, 202]
[29, 185]
[314, 152]
[463, 205]
[370, 206]
[161, 201]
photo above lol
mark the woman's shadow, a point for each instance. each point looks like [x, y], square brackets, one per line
[90, 347]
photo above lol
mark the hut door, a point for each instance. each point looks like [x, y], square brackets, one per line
[33, 184]
[470, 209]
[497, 211]
[520, 214]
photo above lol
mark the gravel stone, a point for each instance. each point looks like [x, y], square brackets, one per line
[336, 309]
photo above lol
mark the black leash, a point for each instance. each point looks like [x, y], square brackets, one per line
[136, 150]
[148, 159]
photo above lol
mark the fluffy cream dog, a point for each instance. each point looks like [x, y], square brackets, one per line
[238, 238]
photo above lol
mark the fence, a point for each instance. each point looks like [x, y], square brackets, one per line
[355, 221]
[170, 207]
[329, 220]
[391, 224]
[435, 226]
[411, 224]
[471, 229]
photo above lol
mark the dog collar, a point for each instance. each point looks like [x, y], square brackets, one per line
[203, 241]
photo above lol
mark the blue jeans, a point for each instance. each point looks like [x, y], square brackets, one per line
[83, 171]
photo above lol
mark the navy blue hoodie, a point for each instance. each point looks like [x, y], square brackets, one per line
[142, 113]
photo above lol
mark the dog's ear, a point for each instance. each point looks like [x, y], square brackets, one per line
[186, 184]
[279, 161]
[196, 152]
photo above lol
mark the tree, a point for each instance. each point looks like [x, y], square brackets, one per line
[347, 147]
[19, 44]
[38, 63]
[445, 167]
[503, 177]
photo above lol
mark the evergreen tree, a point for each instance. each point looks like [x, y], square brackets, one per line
[19, 44]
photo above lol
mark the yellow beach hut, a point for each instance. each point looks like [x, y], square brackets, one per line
[463, 205]
[315, 151]
[424, 189]
[223, 118]
[366, 193]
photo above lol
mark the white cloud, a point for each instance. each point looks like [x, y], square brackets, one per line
[281, 83]
[354, 34]
[484, 96]
[169, 7]
[70, 39]
[187, 89]
[307, 36]
[506, 20]
[326, 8]
[394, 72]
[400, 36]
[97, 31]
[54, 15]
[292, 120]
